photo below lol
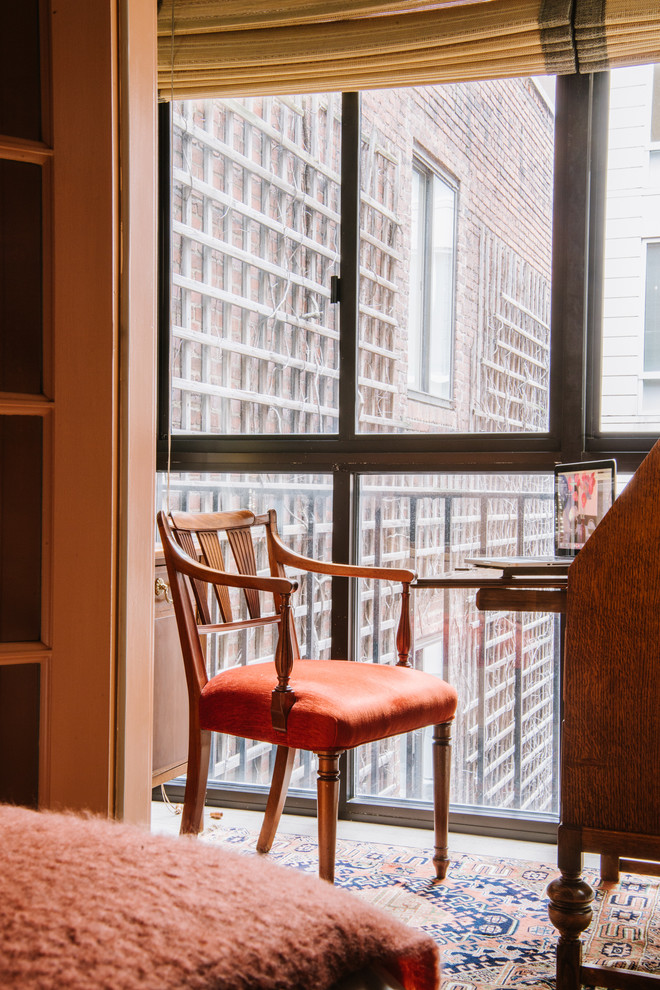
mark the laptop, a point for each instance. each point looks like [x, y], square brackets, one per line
[583, 493]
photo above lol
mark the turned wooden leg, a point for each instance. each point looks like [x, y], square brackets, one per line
[327, 808]
[569, 908]
[199, 749]
[276, 797]
[441, 778]
[609, 867]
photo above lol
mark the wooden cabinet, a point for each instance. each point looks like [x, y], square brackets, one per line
[610, 797]
[170, 734]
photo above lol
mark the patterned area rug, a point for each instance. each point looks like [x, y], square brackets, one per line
[489, 916]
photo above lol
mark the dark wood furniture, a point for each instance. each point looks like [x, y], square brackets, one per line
[610, 741]
[323, 706]
[542, 592]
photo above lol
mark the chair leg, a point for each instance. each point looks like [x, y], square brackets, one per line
[199, 749]
[441, 778]
[327, 809]
[276, 797]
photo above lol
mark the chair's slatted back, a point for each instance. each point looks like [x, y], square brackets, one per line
[212, 551]
[200, 590]
[242, 546]
[238, 526]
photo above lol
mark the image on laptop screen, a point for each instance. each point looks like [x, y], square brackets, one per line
[583, 494]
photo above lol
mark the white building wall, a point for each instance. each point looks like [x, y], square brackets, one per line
[632, 218]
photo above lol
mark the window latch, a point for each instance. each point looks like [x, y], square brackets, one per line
[335, 289]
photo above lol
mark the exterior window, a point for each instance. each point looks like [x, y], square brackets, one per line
[506, 744]
[455, 259]
[255, 243]
[630, 388]
[655, 107]
[432, 267]
[651, 393]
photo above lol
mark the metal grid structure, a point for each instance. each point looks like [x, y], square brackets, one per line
[304, 512]
[513, 375]
[255, 240]
[505, 667]
[382, 370]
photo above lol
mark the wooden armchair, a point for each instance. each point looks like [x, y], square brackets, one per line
[610, 760]
[324, 706]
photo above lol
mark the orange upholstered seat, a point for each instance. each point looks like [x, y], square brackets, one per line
[338, 705]
[323, 706]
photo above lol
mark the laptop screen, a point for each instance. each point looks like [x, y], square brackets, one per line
[583, 494]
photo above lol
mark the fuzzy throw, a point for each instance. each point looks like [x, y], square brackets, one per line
[89, 904]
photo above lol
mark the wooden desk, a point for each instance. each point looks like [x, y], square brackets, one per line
[545, 592]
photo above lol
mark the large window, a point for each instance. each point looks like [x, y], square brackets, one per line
[375, 303]
[449, 294]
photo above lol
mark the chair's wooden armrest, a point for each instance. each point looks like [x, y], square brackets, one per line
[287, 556]
[276, 585]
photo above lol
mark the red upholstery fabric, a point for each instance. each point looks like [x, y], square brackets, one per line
[339, 704]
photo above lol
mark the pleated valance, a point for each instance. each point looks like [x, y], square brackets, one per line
[612, 33]
[247, 47]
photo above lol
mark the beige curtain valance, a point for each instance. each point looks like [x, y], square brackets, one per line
[247, 47]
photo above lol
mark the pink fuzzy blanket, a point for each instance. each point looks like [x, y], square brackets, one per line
[87, 904]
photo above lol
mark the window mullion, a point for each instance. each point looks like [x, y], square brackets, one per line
[570, 263]
[596, 247]
[350, 264]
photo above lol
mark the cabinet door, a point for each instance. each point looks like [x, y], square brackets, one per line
[170, 737]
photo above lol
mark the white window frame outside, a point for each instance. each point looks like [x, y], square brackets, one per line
[431, 354]
[652, 375]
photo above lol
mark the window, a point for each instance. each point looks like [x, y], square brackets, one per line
[655, 106]
[304, 376]
[651, 394]
[454, 289]
[255, 243]
[432, 266]
[630, 377]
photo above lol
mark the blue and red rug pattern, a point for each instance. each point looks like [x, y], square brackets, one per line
[489, 916]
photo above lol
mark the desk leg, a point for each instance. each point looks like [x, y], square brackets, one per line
[569, 908]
